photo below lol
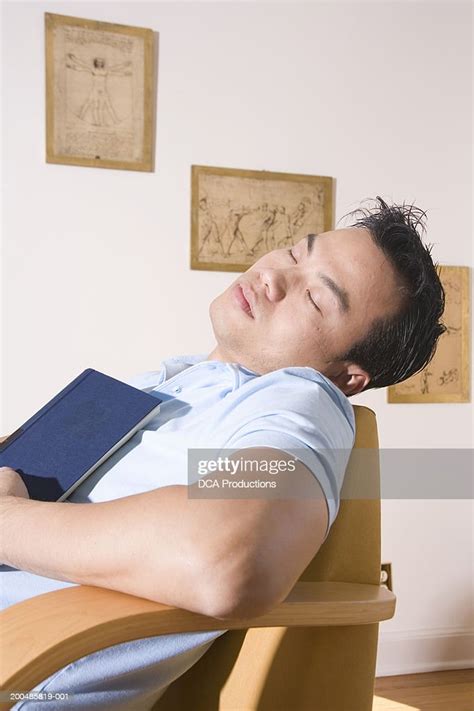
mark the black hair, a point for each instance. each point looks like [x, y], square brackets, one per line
[399, 346]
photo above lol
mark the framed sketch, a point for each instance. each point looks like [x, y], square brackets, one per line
[99, 94]
[239, 215]
[447, 377]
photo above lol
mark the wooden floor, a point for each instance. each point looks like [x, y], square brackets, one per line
[434, 691]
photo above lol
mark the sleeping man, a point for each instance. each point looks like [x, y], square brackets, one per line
[296, 336]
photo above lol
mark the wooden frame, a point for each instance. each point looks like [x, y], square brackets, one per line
[447, 377]
[99, 94]
[272, 210]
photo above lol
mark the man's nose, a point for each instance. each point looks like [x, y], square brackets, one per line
[274, 283]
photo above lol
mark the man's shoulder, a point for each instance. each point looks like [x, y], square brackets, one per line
[291, 408]
[303, 393]
[300, 383]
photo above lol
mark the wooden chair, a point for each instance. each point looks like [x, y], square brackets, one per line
[316, 651]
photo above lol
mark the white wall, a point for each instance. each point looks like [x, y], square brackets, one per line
[95, 262]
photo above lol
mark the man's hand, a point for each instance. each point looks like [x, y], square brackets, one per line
[11, 484]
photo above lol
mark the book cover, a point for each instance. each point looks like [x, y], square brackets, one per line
[76, 431]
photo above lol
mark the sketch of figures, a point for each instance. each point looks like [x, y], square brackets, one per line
[298, 216]
[97, 109]
[99, 94]
[265, 236]
[425, 385]
[454, 289]
[234, 220]
[239, 215]
[447, 377]
[283, 234]
[211, 243]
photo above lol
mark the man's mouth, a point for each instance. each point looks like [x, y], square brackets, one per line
[243, 299]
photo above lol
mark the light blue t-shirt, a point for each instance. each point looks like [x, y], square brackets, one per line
[206, 404]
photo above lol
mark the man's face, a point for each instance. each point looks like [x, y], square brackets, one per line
[306, 306]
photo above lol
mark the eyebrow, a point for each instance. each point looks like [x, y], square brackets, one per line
[310, 242]
[340, 293]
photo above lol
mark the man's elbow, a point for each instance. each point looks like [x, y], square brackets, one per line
[241, 598]
[244, 609]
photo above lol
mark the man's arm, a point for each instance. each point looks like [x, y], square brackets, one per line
[227, 558]
[73, 62]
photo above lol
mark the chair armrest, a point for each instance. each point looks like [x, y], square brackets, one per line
[41, 635]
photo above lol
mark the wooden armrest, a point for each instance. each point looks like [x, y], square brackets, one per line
[41, 635]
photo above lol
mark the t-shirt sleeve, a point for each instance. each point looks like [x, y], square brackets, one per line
[309, 422]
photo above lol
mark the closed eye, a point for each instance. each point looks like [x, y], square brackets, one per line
[308, 293]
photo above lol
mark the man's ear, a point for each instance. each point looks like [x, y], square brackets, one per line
[350, 378]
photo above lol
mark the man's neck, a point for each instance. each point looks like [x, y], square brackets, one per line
[218, 354]
[226, 357]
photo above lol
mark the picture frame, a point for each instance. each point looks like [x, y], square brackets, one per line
[99, 94]
[238, 215]
[447, 377]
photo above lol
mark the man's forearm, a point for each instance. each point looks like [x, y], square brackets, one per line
[128, 544]
[224, 557]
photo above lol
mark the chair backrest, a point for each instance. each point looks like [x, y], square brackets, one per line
[280, 668]
[351, 552]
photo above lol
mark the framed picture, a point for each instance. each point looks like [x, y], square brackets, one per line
[239, 215]
[447, 377]
[99, 94]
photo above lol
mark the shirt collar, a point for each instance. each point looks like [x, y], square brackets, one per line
[172, 366]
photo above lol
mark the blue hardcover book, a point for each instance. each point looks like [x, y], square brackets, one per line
[75, 432]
